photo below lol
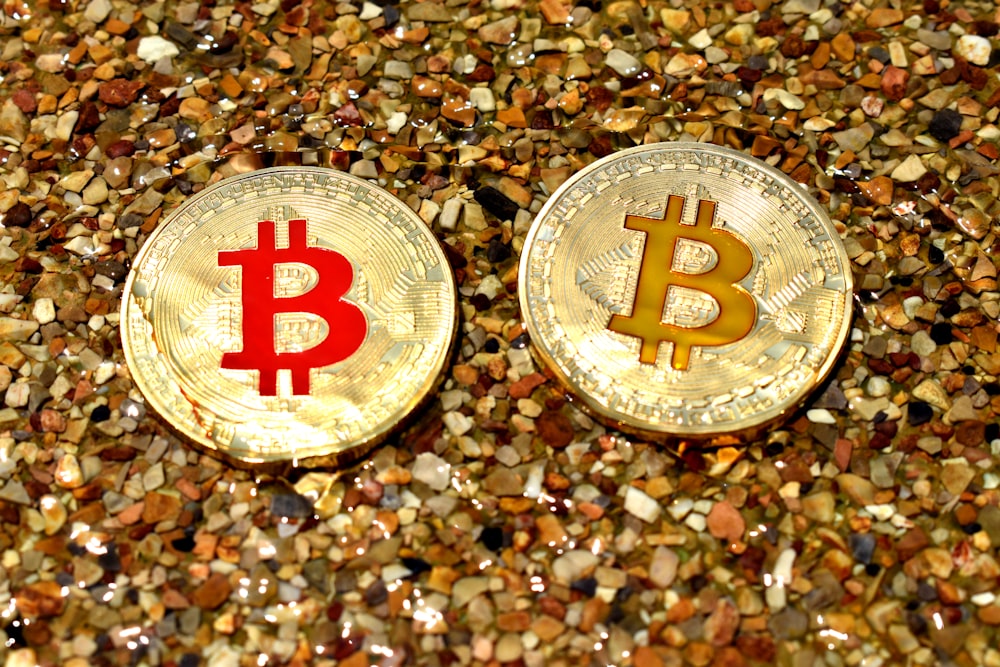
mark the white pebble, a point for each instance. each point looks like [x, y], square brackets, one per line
[154, 47]
[624, 63]
[878, 386]
[820, 416]
[432, 470]
[395, 122]
[17, 395]
[780, 577]
[44, 311]
[974, 48]
[640, 505]
[701, 39]
[573, 564]
[696, 522]
[457, 423]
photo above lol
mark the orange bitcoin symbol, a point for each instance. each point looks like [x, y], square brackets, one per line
[347, 323]
[737, 311]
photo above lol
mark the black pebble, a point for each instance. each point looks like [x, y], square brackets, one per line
[941, 333]
[291, 505]
[497, 251]
[586, 586]
[492, 345]
[111, 269]
[492, 538]
[935, 254]
[100, 413]
[496, 202]
[879, 54]
[185, 544]
[416, 565]
[862, 547]
[920, 413]
[945, 124]
[129, 220]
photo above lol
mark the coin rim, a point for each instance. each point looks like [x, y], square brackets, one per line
[629, 423]
[348, 451]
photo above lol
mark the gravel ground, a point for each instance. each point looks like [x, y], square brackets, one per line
[503, 526]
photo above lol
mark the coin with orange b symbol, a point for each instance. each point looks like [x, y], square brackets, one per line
[290, 314]
[686, 290]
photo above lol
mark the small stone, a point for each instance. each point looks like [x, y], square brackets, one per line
[97, 10]
[68, 474]
[13, 123]
[663, 567]
[555, 429]
[854, 139]
[624, 63]
[878, 190]
[881, 17]
[573, 565]
[53, 512]
[931, 392]
[508, 648]
[291, 506]
[501, 32]
[503, 481]
[721, 625]
[153, 47]
[956, 475]
[640, 505]
[945, 125]
[42, 599]
[212, 593]
[432, 470]
[15, 330]
[725, 522]
[857, 488]
[909, 170]
[974, 48]
[159, 507]
[819, 506]
[14, 492]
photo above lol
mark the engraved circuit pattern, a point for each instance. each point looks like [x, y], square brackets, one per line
[580, 268]
[183, 312]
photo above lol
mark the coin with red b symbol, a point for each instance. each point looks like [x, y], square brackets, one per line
[289, 314]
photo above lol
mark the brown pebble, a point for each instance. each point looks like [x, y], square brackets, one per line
[965, 514]
[213, 592]
[119, 92]
[41, 599]
[725, 522]
[555, 429]
[894, 81]
[160, 506]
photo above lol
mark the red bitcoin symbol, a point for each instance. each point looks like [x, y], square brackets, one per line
[346, 322]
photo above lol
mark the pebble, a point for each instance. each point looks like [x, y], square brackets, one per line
[97, 10]
[909, 170]
[640, 505]
[505, 522]
[974, 48]
[725, 522]
[152, 48]
[573, 565]
[432, 470]
[622, 62]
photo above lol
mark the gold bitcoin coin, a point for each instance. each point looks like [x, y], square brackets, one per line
[685, 289]
[288, 314]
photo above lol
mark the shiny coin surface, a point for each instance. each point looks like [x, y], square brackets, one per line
[289, 314]
[685, 289]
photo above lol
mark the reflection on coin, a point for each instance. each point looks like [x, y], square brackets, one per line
[685, 289]
[291, 313]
